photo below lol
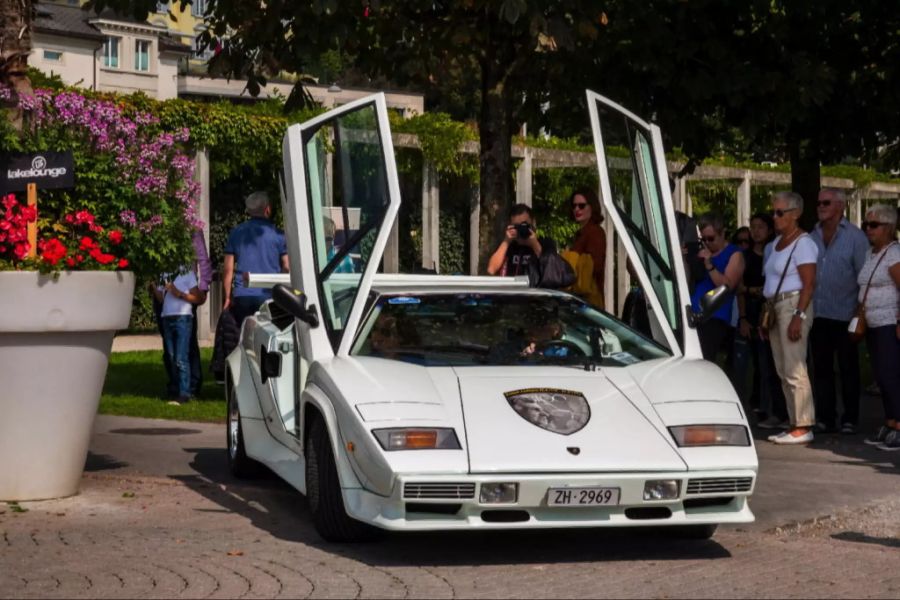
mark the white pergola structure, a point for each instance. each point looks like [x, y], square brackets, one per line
[617, 280]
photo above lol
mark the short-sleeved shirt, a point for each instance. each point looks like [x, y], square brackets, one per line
[257, 246]
[883, 300]
[837, 268]
[176, 307]
[806, 253]
[518, 257]
[720, 262]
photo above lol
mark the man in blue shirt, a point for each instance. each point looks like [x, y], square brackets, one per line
[255, 246]
[842, 253]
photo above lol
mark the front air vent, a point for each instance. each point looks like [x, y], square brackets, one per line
[438, 491]
[719, 485]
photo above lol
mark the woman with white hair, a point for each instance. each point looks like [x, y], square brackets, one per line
[879, 300]
[790, 270]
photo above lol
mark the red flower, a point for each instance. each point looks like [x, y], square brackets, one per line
[87, 243]
[83, 216]
[21, 250]
[52, 251]
[28, 213]
[115, 237]
[70, 262]
[123, 263]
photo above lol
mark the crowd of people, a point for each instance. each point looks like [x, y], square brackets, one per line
[800, 303]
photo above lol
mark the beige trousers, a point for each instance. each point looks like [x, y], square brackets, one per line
[790, 362]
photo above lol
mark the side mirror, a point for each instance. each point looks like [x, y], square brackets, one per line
[710, 302]
[293, 302]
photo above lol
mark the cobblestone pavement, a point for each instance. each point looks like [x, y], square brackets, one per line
[191, 537]
[158, 516]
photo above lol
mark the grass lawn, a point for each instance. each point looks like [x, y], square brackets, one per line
[136, 387]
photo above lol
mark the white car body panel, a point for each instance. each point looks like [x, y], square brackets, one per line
[625, 443]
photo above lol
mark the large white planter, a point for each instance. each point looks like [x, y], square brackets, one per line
[55, 338]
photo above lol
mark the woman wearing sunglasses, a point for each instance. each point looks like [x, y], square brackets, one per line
[590, 239]
[790, 269]
[724, 265]
[879, 281]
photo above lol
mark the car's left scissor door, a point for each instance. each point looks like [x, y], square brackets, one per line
[341, 197]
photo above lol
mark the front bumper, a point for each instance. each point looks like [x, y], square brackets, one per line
[721, 497]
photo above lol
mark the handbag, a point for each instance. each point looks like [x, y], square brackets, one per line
[858, 325]
[767, 316]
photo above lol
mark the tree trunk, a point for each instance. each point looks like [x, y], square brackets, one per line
[494, 126]
[805, 176]
[15, 46]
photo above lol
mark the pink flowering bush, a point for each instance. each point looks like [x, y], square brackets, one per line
[134, 199]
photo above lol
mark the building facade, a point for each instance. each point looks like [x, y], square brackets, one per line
[159, 57]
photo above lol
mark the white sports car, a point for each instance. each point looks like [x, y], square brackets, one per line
[425, 402]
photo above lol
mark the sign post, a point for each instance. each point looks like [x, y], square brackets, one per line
[32, 226]
[23, 173]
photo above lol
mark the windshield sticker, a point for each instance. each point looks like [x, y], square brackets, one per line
[625, 357]
[404, 300]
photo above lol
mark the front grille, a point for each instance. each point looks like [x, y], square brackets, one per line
[719, 485]
[439, 491]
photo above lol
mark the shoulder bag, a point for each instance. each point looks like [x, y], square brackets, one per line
[767, 316]
[858, 326]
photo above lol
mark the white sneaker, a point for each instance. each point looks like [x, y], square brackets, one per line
[773, 437]
[787, 438]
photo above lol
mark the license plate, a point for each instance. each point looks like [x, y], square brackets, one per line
[583, 496]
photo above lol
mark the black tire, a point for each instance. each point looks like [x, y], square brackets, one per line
[694, 532]
[323, 492]
[240, 465]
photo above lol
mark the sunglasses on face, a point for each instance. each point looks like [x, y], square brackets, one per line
[579, 205]
[823, 203]
[780, 213]
[872, 224]
[708, 238]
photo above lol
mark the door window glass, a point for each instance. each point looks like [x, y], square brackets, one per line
[348, 199]
[637, 195]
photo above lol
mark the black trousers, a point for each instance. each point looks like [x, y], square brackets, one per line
[884, 349]
[714, 336]
[829, 339]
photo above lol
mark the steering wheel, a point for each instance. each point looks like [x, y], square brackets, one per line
[573, 348]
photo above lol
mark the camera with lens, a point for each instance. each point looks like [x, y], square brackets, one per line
[523, 230]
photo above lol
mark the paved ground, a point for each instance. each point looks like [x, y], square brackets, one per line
[159, 517]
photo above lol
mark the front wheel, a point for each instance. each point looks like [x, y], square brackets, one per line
[240, 465]
[323, 492]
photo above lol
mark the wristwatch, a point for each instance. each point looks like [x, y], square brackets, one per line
[799, 313]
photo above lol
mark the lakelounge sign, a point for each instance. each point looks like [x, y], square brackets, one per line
[48, 170]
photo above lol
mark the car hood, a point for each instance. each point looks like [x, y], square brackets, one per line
[621, 433]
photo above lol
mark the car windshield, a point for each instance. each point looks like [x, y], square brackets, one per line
[454, 329]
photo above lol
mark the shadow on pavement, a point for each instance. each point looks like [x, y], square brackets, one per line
[855, 536]
[102, 462]
[277, 508]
